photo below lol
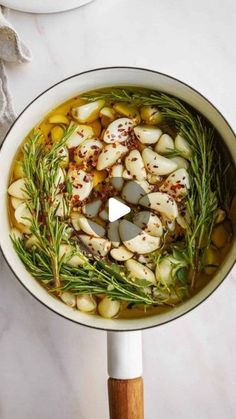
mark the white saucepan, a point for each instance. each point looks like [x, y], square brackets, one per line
[124, 348]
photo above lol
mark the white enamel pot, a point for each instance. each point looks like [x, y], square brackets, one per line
[124, 347]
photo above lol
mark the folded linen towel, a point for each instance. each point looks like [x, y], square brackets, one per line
[12, 50]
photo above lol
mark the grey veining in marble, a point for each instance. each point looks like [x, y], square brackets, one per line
[51, 368]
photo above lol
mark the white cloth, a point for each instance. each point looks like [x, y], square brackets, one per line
[12, 50]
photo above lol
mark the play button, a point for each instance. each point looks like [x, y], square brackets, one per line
[116, 209]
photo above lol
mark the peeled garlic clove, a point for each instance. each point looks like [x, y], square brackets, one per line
[183, 146]
[146, 260]
[176, 184]
[136, 240]
[91, 228]
[127, 175]
[220, 236]
[134, 190]
[86, 303]
[104, 215]
[110, 154]
[113, 233]
[68, 298]
[31, 242]
[89, 149]
[82, 133]
[23, 215]
[18, 170]
[164, 271]
[58, 119]
[121, 254]
[15, 202]
[181, 162]
[162, 203]
[16, 234]
[151, 115]
[149, 222]
[57, 133]
[82, 183]
[108, 308]
[153, 179]
[139, 271]
[165, 144]
[118, 130]
[91, 209]
[64, 155]
[60, 177]
[116, 174]
[108, 112]
[147, 134]
[97, 245]
[130, 111]
[18, 189]
[60, 205]
[135, 166]
[88, 112]
[182, 222]
[220, 215]
[70, 257]
[157, 164]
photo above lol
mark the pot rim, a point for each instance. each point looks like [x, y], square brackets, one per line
[8, 132]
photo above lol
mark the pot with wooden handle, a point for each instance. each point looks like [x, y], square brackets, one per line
[125, 384]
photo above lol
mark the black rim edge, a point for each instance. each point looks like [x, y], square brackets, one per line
[18, 117]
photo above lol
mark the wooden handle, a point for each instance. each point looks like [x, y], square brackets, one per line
[126, 398]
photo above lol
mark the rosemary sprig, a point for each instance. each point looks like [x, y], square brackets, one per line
[205, 162]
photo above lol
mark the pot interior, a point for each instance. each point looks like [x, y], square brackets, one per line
[35, 112]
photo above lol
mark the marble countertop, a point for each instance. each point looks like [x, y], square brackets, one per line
[51, 368]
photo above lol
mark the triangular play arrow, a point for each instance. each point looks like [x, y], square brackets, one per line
[116, 209]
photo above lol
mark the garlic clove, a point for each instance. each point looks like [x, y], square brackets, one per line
[139, 271]
[15, 202]
[118, 130]
[18, 189]
[149, 222]
[165, 144]
[162, 203]
[157, 164]
[89, 227]
[135, 166]
[91, 209]
[134, 190]
[108, 308]
[116, 174]
[82, 183]
[147, 134]
[110, 154]
[121, 254]
[82, 133]
[97, 245]
[136, 240]
[89, 149]
[86, 303]
[70, 257]
[183, 146]
[151, 115]
[181, 162]
[68, 298]
[176, 184]
[89, 112]
[23, 215]
[113, 233]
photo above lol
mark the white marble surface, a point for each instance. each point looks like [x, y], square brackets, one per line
[51, 368]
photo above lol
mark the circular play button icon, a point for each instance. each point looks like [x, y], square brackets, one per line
[119, 197]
